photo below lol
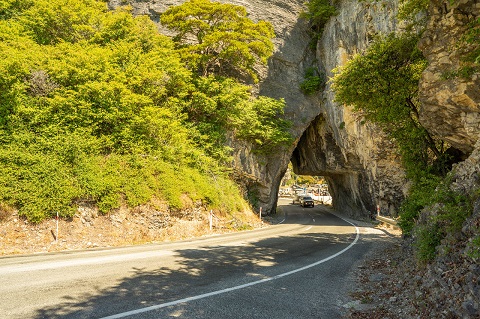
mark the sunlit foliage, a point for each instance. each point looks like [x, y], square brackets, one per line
[219, 38]
[97, 106]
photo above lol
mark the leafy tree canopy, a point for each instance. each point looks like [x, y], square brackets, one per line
[97, 106]
[219, 38]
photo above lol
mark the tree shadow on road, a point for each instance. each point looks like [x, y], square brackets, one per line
[200, 271]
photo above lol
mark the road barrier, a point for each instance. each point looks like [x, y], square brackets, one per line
[387, 220]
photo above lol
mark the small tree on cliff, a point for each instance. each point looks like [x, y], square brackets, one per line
[217, 38]
[382, 84]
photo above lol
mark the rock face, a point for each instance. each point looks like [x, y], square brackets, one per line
[450, 108]
[358, 160]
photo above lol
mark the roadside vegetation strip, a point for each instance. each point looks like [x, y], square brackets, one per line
[222, 291]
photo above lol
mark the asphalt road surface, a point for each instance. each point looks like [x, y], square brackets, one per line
[296, 269]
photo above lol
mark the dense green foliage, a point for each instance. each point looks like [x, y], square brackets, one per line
[313, 81]
[318, 13]
[97, 106]
[217, 38]
[222, 104]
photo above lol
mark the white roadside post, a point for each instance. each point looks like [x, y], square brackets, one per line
[56, 237]
[260, 213]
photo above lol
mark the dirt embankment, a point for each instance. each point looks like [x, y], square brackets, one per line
[89, 229]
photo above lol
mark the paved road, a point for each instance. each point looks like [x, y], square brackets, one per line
[296, 269]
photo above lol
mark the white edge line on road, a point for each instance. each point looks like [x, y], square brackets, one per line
[82, 262]
[218, 292]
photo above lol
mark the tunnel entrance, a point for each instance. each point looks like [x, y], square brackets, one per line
[358, 182]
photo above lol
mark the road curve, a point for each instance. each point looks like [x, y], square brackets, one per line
[296, 269]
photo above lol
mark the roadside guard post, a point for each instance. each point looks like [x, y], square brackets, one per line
[56, 237]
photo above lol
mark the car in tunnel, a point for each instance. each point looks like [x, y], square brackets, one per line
[307, 201]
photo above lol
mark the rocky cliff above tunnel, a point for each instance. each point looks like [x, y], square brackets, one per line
[358, 160]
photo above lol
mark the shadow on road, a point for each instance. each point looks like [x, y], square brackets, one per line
[200, 271]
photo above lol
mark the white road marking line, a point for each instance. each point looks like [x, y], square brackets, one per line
[219, 292]
[83, 261]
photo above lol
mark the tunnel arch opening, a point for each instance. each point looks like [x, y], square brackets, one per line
[348, 182]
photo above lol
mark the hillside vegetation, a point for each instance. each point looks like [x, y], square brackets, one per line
[96, 106]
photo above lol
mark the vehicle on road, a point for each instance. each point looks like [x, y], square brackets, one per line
[307, 201]
[297, 199]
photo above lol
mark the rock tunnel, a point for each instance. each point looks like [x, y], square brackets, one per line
[354, 188]
[317, 154]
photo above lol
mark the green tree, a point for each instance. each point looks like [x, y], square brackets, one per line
[319, 12]
[221, 105]
[92, 108]
[260, 121]
[219, 38]
[382, 84]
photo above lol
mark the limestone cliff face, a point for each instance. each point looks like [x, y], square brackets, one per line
[450, 108]
[357, 158]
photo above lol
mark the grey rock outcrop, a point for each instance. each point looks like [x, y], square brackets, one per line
[361, 166]
[450, 107]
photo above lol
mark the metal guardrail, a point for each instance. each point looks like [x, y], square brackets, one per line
[387, 220]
